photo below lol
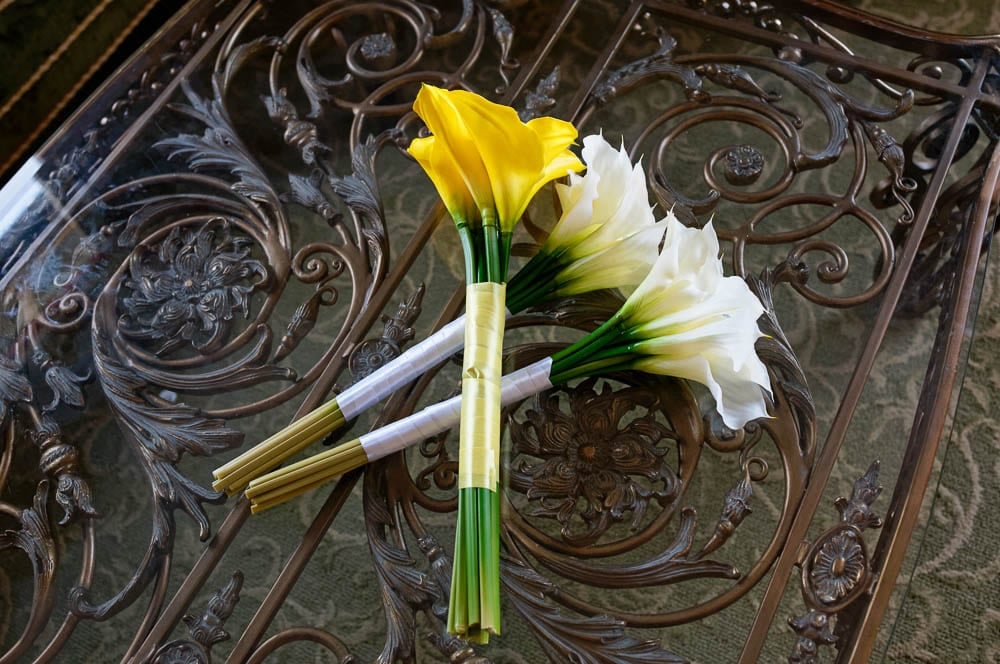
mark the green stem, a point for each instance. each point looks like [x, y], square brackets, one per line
[590, 344]
[605, 366]
[523, 300]
[458, 604]
[613, 351]
[537, 264]
[470, 551]
[491, 244]
[477, 557]
[506, 239]
[533, 283]
[468, 250]
[532, 289]
[481, 273]
[490, 560]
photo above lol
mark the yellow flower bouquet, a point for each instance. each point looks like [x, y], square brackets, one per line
[606, 237]
[486, 165]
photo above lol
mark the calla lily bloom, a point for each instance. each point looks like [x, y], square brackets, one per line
[606, 235]
[484, 161]
[607, 232]
[686, 319]
[691, 321]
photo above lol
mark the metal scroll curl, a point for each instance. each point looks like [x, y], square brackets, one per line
[762, 155]
[184, 310]
[368, 58]
[181, 276]
[746, 172]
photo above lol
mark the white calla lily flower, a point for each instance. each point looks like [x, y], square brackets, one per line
[622, 266]
[607, 236]
[609, 202]
[691, 321]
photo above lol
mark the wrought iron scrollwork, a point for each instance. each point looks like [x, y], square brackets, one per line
[540, 100]
[77, 163]
[252, 266]
[596, 638]
[188, 291]
[586, 466]
[60, 461]
[742, 101]
[836, 569]
[659, 64]
[371, 354]
[34, 537]
[205, 630]
[14, 387]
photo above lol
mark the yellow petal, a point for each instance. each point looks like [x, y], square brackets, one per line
[564, 163]
[555, 135]
[443, 172]
[502, 161]
[510, 151]
[520, 158]
[457, 145]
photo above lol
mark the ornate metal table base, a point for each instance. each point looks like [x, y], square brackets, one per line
[213, 241]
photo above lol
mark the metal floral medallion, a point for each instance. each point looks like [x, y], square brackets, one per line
[588, 466]
[186, 290]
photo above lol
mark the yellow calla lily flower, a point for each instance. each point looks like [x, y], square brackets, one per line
[485, 163]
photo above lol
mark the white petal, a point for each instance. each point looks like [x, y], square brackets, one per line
[688, 263]
[693, 322]
[577, 202]
[739, 398]
[621, 266]
[602, 208]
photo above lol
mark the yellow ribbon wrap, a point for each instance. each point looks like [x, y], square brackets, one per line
[479, 435]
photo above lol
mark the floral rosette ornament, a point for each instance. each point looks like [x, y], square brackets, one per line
[486, 165]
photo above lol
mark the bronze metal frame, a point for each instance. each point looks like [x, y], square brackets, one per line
[174, 282]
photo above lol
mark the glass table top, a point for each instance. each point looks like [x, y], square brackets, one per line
[230, 231]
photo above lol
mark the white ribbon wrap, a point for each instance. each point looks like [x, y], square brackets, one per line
[442, 416]
[403, 370]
